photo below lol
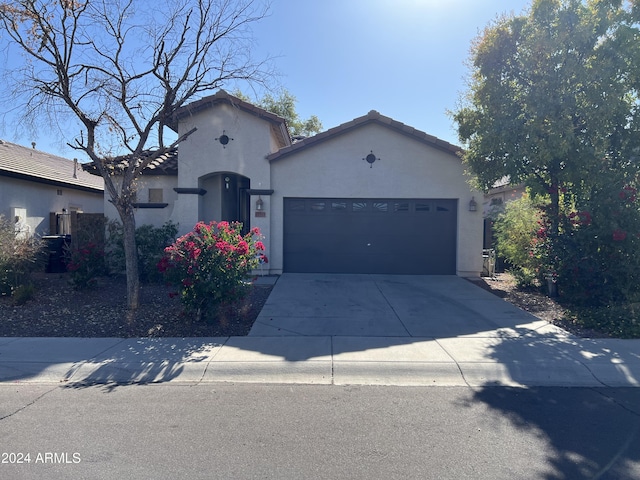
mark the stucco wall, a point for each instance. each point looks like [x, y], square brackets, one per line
[149, 216]
[40, 199]
[495, 199]
[202, 155]
[407, 169]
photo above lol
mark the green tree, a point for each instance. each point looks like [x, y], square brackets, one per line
[120, 70]
[284, 105]
[552, 95]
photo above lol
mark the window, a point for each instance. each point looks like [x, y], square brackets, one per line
[317, 206]
[359, 206]
[401, 207]
[423, 207]
[296, 205]
[338, 205]
[380, 206]
[155, 195]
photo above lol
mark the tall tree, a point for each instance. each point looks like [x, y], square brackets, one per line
[121, 68]
[551, 95]
[284, 105]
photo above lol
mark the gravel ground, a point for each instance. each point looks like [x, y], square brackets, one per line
[536, 303]
[57, 310]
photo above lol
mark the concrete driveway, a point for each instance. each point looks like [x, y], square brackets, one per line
[388, 306]
[347, 329]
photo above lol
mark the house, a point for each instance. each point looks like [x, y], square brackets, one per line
[35, 184]
[372, 195]
[494, 201]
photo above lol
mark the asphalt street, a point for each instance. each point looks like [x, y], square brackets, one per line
[317, 431]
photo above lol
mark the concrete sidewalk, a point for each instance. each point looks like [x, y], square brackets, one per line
[533, 360]
[347, 329]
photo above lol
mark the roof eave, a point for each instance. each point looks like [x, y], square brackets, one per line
[47, 181]
[223, 97]
[375, 118]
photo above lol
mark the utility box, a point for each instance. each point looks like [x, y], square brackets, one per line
[56, 246]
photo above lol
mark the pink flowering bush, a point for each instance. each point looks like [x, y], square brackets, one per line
[594, 256]
[209, 266]
[592, 252]
[599, 250]
[85, 264]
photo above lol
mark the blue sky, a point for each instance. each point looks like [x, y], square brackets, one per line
[343, 58]
[403, 58]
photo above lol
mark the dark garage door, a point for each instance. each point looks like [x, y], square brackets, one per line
[398, 236]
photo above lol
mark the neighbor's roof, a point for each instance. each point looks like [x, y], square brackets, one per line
[278, 124]
[165, 164]
[374, 118]
[34, 165]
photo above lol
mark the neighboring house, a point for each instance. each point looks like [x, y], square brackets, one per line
[372, 195]
[34, 184]
[494, 202]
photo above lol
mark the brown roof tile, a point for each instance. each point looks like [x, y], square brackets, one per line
[165, 164]
[31, 164]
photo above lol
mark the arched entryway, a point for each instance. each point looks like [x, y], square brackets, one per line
[226, 198]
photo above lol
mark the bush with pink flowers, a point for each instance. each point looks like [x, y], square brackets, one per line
[600, 247]
[85, 264]
[210, 265]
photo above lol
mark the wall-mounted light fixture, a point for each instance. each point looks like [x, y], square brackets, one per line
[226, 182]
[224, 139]
[371, 158]
[473, 205]
[259, 204]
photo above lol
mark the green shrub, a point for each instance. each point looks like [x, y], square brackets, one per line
[151, 242]
[520, 234]
[23, 293]
[19, 257]
[210, 265]
[621, 320]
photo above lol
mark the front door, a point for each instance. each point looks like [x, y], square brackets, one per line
[234, 200]
[226, 198]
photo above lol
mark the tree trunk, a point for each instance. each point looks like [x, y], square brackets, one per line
[554, 207]
[131, 259]
[554, 218]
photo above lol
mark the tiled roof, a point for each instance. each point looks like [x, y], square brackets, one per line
[34, 165]
[165, 164]
[278, 124]
[371, 117]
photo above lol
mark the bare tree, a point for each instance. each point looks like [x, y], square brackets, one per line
[121, 68]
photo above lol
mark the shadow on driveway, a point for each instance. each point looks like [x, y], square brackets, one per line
[348, 329]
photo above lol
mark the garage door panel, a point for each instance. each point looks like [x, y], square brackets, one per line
[403, 236]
